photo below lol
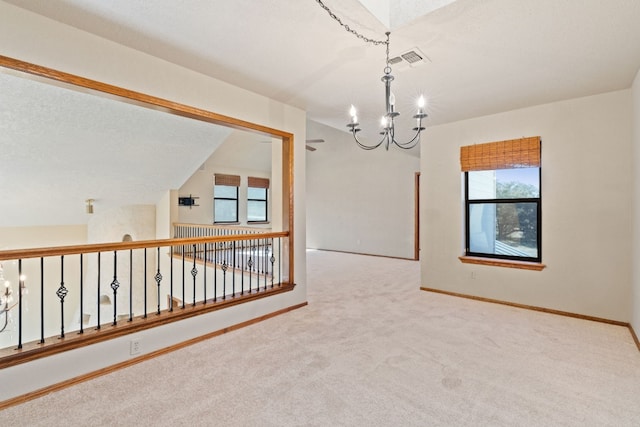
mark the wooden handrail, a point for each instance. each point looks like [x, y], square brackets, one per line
[118, 246]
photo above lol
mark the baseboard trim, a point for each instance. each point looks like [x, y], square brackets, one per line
[529, 307]
[361, 253]
[104, 371]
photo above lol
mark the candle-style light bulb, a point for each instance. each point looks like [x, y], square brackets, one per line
[352, 111]
[383, 122]
[354, 119]
[421, 102]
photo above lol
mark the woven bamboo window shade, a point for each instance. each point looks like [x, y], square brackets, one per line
[224, 179]
[258, 182]
[513, 153]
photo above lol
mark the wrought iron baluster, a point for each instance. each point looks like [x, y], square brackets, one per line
[98, 302]
[233, 266]
[20, 287]
[204, 271]
[265, 260]
[224, 279]
[158, 278]
[273, 261]
[145, 283]
[194, 273]
[62, 293]
[81, 295]
[42, 300]
[115, 285]
[250, 263]
[130, 285]
[183, 295]
[171, 279]
[215, 272]
[242, 267]
[280, 260]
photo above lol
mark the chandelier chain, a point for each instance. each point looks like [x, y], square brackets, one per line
[352, 31]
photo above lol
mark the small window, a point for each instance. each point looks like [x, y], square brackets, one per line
[225, 198]
[257, 199]
[502, 202]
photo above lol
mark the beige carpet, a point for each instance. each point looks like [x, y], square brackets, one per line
[371, 349]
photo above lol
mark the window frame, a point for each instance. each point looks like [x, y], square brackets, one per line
[536, 200]
[215, 199]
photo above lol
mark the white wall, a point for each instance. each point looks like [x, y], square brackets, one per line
[359, 201]
[32, 38]
[586, 207]
[635, 90]
[38, 237]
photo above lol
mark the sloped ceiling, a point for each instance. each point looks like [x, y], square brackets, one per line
[61, 147]
[483, 56]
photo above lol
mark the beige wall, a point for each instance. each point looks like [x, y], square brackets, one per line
[635, 320]
[32, 38]
[586, 207]
[359, 201]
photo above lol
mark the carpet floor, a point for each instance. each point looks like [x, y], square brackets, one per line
[371, 349]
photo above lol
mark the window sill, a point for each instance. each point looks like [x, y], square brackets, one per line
[523, 265]
[258, 222]
[226, 223]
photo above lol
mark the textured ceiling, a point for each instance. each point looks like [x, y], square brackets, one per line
[61, 147]
[484, 56]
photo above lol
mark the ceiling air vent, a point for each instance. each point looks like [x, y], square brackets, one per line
[411, 58]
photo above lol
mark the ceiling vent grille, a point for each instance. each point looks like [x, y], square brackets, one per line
[413, 57]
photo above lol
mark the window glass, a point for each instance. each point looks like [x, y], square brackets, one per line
[256, 211]
[225, 203]
[504, 229]
[226, 191]
[256, 204]
[515, 183]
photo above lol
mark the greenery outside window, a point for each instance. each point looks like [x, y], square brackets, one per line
[257, 199]
[225, 198]
[502, 200]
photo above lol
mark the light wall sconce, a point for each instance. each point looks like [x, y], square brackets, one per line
[89, 205]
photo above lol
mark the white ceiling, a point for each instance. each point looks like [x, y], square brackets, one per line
[484, 56]
[50, 164]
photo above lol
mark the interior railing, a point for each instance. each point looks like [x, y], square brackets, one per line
[256, 255]
[60, 298]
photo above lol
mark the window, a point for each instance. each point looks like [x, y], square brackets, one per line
[257, 196]
[502, 199]
[225, 198]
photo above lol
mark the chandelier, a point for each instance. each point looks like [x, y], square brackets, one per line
[387, 122]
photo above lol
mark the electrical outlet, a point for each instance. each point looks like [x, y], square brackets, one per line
[134, 347]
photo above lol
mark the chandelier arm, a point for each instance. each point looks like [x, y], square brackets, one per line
[411, 143]
[365, 146]
[6, 321]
